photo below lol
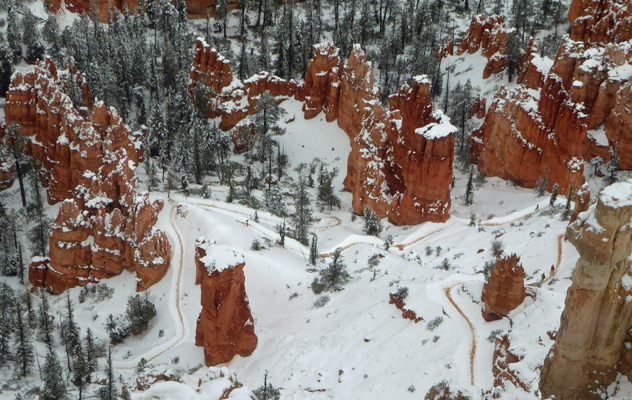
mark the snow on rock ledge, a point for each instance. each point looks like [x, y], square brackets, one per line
[225, 327]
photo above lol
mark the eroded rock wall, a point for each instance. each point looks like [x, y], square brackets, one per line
[225, 327]
[550, 126]
[597, 315]
[488, 34]
[103, 226]
[401, 160]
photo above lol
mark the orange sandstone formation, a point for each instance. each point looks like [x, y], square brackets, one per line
[488, 34]
[225, 327]
[576, 114]
[504, 290]
[401, 160]
[103, 226]
[591, 340]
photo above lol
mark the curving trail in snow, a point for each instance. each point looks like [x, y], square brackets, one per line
[174, 306]
[558, 263]
[448, 294]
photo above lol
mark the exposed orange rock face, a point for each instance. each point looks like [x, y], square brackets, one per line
[479, 108]
[401, 160]
[551, 125]
[501, 367]
[504, 290]
[103, 225]
[597, 315]
[406, 313]
[490, 35]
[532, 72]
[225, 327]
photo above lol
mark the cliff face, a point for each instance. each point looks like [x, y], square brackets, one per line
[401, 159]
[576, 112]
[225, 327]
[195, 8]
[598, 314]
[504, 290]
[489, 34]
[103, 225]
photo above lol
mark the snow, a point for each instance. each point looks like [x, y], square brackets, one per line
[218, 258]
[599, 136]
[617, 195]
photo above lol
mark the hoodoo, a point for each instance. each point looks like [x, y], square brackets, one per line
[103, 226]
[504, 290]
[591, 341]
[225, 327]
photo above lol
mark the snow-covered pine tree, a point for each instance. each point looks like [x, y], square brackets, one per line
[302, 217]
[53, 377]
[372, 223]
[24, 354]
[313, 249]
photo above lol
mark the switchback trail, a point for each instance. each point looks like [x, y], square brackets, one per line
[181, 326]
[560, 239]
[448, 294]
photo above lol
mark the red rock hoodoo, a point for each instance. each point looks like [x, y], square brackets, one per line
[548, 126]
[591, 343]
[401, 160]
[489, 34]
[504, 290]
[225, 327]
[103, 226]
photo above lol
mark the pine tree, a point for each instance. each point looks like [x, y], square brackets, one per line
[13, 31]
[6, 66]
[302, 218]
[567, 208]
[325, 188]
[313, 249]
[139, 313]
[335, 275]
[31, 37]
[7, 303]
[282, 232]
[91, 353]
[24, 356]
[554, 195]
[54, 386]
[80, 370]
[469, 191]
[542, 184]
[109, 391]
[16, 144]
[222, 14]
[72, 338]
[372, 223]
[45, 324]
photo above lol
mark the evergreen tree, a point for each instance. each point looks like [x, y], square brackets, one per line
[325, 188]
[7, 303]
[221, 15]
[542, 183]
[91, 354]
[108, 392]
[80, 370]
[372, 223]
[24, 355]
[313, 249]
[54, 386]
[39, 232]
[612, 167]
[6, 66]
[16, 144]
[567, 208]
[139, 313]
[31, 36]
[71, 336]
[302, 218]
[554, 195]
[469, 191]
[267, 391]
[13, 31]
[45, 323]
[282, 232]
[335, 275]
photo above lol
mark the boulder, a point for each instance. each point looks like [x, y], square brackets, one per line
[504, 290]
[597, 314]
[225, 327]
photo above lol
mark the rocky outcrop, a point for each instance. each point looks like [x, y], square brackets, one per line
[103, 226]
[501, 364]
[598, 313]
[504, 290]
[225, 327]
[533, 68]
[195, 8]
[401, 160]
[551, 125]
[582, 201]
[488, 34]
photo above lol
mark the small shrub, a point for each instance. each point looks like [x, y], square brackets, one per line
[492, 336]
[161, 333]
[321, 301]
[497, 248]
[487, 269]
[139, 313]
[372, 223]
[267, 391]
[401, 293]
[256, 245]
[432, 325]
[388, 242]
[428, 250]
[445, 265]
[438, 250]
[317, 287]
[442, 391]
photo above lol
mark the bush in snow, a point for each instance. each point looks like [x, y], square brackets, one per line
[497, 248]
[321, 301]
[267, 391]
[372, 223]
[333, 277]
[140, 312]
[401, 293]
[432, 325]
[442, 391]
